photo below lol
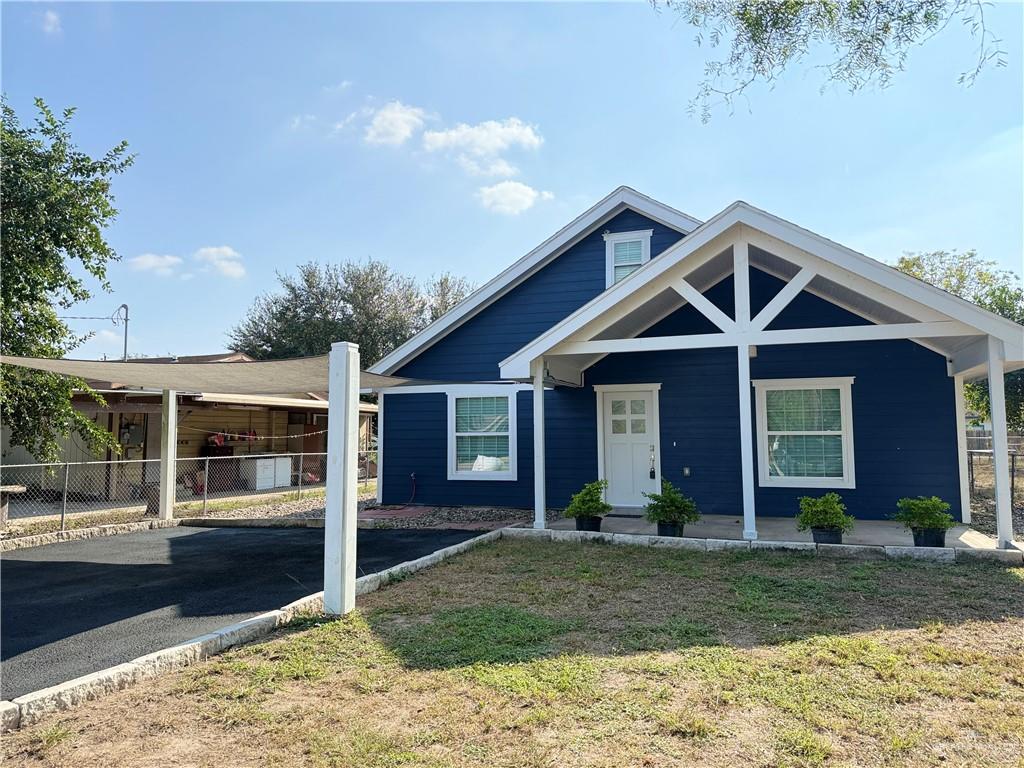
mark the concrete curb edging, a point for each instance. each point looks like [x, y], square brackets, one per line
[32, 707]
[93, 532]
[846, 551]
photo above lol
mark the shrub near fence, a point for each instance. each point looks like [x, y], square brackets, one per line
[133, 485]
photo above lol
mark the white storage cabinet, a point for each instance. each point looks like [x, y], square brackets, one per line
[261, 474]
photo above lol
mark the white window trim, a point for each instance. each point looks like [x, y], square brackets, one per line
[844, 384]
[611, 238]
[484, 391]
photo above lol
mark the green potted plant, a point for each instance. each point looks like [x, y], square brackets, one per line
[588, 506]
[825, 516]
[927, 518]
[671, 510]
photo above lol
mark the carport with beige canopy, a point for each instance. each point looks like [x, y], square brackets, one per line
[337, 373]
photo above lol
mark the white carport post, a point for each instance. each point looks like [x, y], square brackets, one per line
[1000, 444]
[168, 453]
[340, 511]
[539, 475]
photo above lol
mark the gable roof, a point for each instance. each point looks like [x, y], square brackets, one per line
[887, 289]
[605, 209]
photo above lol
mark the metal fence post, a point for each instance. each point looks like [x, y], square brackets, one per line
[970, 469]
[1013, 477]
[299, 492]
[64, 498]
[206, 482]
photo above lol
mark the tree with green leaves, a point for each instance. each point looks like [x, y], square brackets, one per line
[859, 42]
[981, 282]
[55, 204]
[365, 302]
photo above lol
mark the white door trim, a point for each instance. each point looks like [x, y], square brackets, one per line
[654, 389]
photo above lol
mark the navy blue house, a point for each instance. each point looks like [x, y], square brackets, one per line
[746, 360]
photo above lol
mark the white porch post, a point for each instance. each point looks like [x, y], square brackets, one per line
[1000, 444]
[168, 453]
[746, 444]
[539, 476]
[342, 448]
[741, 282]
[960, 409]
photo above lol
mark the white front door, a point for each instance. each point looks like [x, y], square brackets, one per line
[631, 461]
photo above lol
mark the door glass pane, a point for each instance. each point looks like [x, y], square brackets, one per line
[618, 407]
[638, 426]
[638, 407]
[618, 426]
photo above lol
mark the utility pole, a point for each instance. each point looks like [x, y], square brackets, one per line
[125, 308]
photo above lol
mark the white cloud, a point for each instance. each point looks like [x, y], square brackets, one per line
[486, 139]
[394, 123]
[51, 23]
[298, 122]
[155, 263]
[496, 167]
[344, 85]
[223, 259]
[478, 148]
[510, 197]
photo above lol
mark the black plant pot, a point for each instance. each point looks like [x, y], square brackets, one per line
[827, 535]
[670, 529]
[929, 537]
[588, 523]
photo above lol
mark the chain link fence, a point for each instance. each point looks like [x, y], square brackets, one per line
[34, 491]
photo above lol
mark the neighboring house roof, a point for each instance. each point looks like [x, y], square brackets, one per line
[863, 285]
[619, 200]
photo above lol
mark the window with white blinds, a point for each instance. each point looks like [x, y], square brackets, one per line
[481, 437]
[625, 253]
[805, 431]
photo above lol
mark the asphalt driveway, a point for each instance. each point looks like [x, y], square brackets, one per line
[72, 608]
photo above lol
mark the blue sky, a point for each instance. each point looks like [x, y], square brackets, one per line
[457, 137]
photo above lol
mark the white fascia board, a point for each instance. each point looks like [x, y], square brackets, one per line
[741, 213]
[619, 200]
[882, 274]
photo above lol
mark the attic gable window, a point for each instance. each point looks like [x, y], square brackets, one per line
[625, 253]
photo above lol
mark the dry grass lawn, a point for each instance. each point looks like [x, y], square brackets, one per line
[536, 654]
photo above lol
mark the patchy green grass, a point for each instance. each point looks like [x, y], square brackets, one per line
[536, 654]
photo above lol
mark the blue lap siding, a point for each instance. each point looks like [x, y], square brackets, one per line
[903, 416]
[473, 350]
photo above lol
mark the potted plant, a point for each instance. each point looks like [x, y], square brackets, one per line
[588, 506]
[671, 510]
[927, 518]
[825, 516]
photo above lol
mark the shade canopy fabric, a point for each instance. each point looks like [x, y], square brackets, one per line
[258, 377]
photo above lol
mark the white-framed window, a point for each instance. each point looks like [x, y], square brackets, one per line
[482, 434]
[625, 253]
[805, 432]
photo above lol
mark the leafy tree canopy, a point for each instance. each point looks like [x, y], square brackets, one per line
[981, 282]
[56, 204]
[860, 42]
[365, 302]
